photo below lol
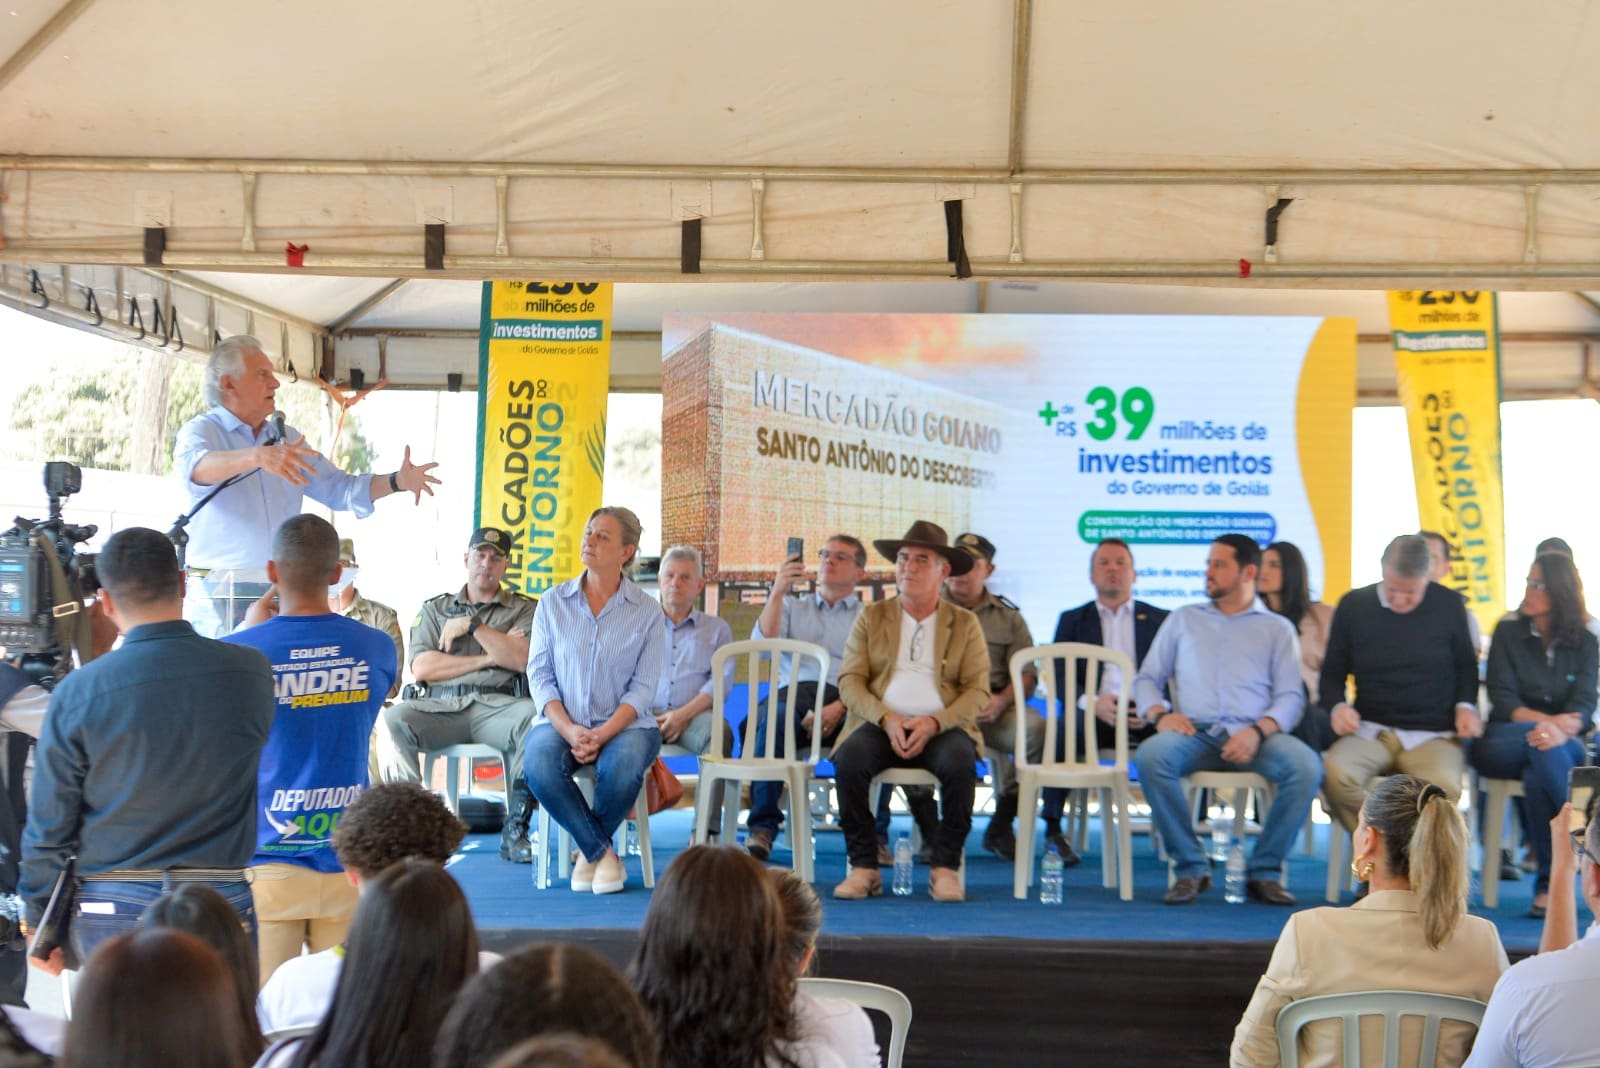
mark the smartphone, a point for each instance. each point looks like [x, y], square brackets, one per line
[796, 550]
[1583, 785]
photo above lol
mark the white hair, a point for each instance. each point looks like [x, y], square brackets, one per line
[227, 358]
[685, 552]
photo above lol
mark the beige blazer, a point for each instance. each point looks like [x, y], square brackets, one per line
[1375, 944]
[874, 645]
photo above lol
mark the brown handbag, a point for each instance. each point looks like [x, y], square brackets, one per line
[661, 788]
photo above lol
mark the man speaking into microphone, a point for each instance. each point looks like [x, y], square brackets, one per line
[242, 436]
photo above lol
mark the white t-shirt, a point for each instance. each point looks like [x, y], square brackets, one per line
[842, 1026]
[913, 688]
[300, 991]
[46, 1033]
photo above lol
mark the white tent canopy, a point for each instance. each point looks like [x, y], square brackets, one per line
[153, 152]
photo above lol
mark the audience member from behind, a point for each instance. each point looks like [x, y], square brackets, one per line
[18, 1049]
[332, 674]
[593, 665]
[833, 1022]
[1404, 641]
[137, 773]
[412, 947]
[1542, 669]
[1541, 1014]
[155, 998]
[545, 989]
[1411, 932]
[561, 1050]
[714, 970]
[1285, 584]
[382, 827]
[201, 911]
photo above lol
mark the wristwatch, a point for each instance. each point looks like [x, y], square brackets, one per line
[394, 482]
[472, 625]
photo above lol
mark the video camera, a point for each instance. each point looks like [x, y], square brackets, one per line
[43, 583]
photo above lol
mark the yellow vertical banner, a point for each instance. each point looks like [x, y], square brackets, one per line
[544, 369]
[1447, 362]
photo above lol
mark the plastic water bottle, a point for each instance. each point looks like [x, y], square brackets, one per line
[904, 858]
[1233, 884]
[631, 846]
[1050, 877]
[1221, 828]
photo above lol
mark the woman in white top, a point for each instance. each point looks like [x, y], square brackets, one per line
[840, 1025]
[412, 947]
[1411, 932]
[713, 969]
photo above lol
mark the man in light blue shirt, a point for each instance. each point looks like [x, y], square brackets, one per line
[683, 696]
[823, 617]
[1232, 667]
[1541, 1014]
[234, 437]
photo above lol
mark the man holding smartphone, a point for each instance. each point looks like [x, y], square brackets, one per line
[823, 617]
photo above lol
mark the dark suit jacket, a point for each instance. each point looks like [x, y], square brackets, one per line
[1082, 624]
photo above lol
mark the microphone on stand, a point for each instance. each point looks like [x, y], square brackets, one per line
[275, 431]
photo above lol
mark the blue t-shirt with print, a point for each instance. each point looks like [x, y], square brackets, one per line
[331, 675]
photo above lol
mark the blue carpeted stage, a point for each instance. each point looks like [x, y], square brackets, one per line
[994, 980]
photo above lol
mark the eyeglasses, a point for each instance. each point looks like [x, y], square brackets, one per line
[834, 554]
[1537, 587]
[916, 643]
[1580, 848]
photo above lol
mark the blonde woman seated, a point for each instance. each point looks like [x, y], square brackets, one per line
[1411, 932]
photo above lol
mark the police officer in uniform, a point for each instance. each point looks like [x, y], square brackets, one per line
[1006, 632]
[469, 655]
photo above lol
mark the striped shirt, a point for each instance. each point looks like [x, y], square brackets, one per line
[594, 664]
[686, 667]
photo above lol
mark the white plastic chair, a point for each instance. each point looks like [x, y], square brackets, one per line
[641, 812]
[885, 999]
[1389, 1004]
[455, 755]
[764, 766]
[1242, 784]
[1500, 792]
[1082, 768]
[889, 778]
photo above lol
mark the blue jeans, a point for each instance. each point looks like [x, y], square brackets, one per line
[1284, 760]
[93, 924]
[1504, 753]
[549, 766]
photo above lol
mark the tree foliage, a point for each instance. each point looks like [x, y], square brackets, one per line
[83, 414]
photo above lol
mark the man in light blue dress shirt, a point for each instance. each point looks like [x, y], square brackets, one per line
[1233, 669]
[234, 437]
[824, 617]
[683, 697]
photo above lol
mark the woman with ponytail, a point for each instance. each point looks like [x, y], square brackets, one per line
[1411, 932]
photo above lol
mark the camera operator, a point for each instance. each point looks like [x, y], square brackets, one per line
[22, 708]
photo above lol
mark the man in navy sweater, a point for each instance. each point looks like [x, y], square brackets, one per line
[1405, 642]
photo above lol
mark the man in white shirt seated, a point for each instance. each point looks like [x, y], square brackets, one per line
[1541, 1012]
[383, 826]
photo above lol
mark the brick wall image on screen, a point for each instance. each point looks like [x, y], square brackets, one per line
[763, 440]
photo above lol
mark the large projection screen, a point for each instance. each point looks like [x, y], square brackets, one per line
[1043, 433]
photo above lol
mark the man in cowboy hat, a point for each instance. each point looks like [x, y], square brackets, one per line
[915, 677]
